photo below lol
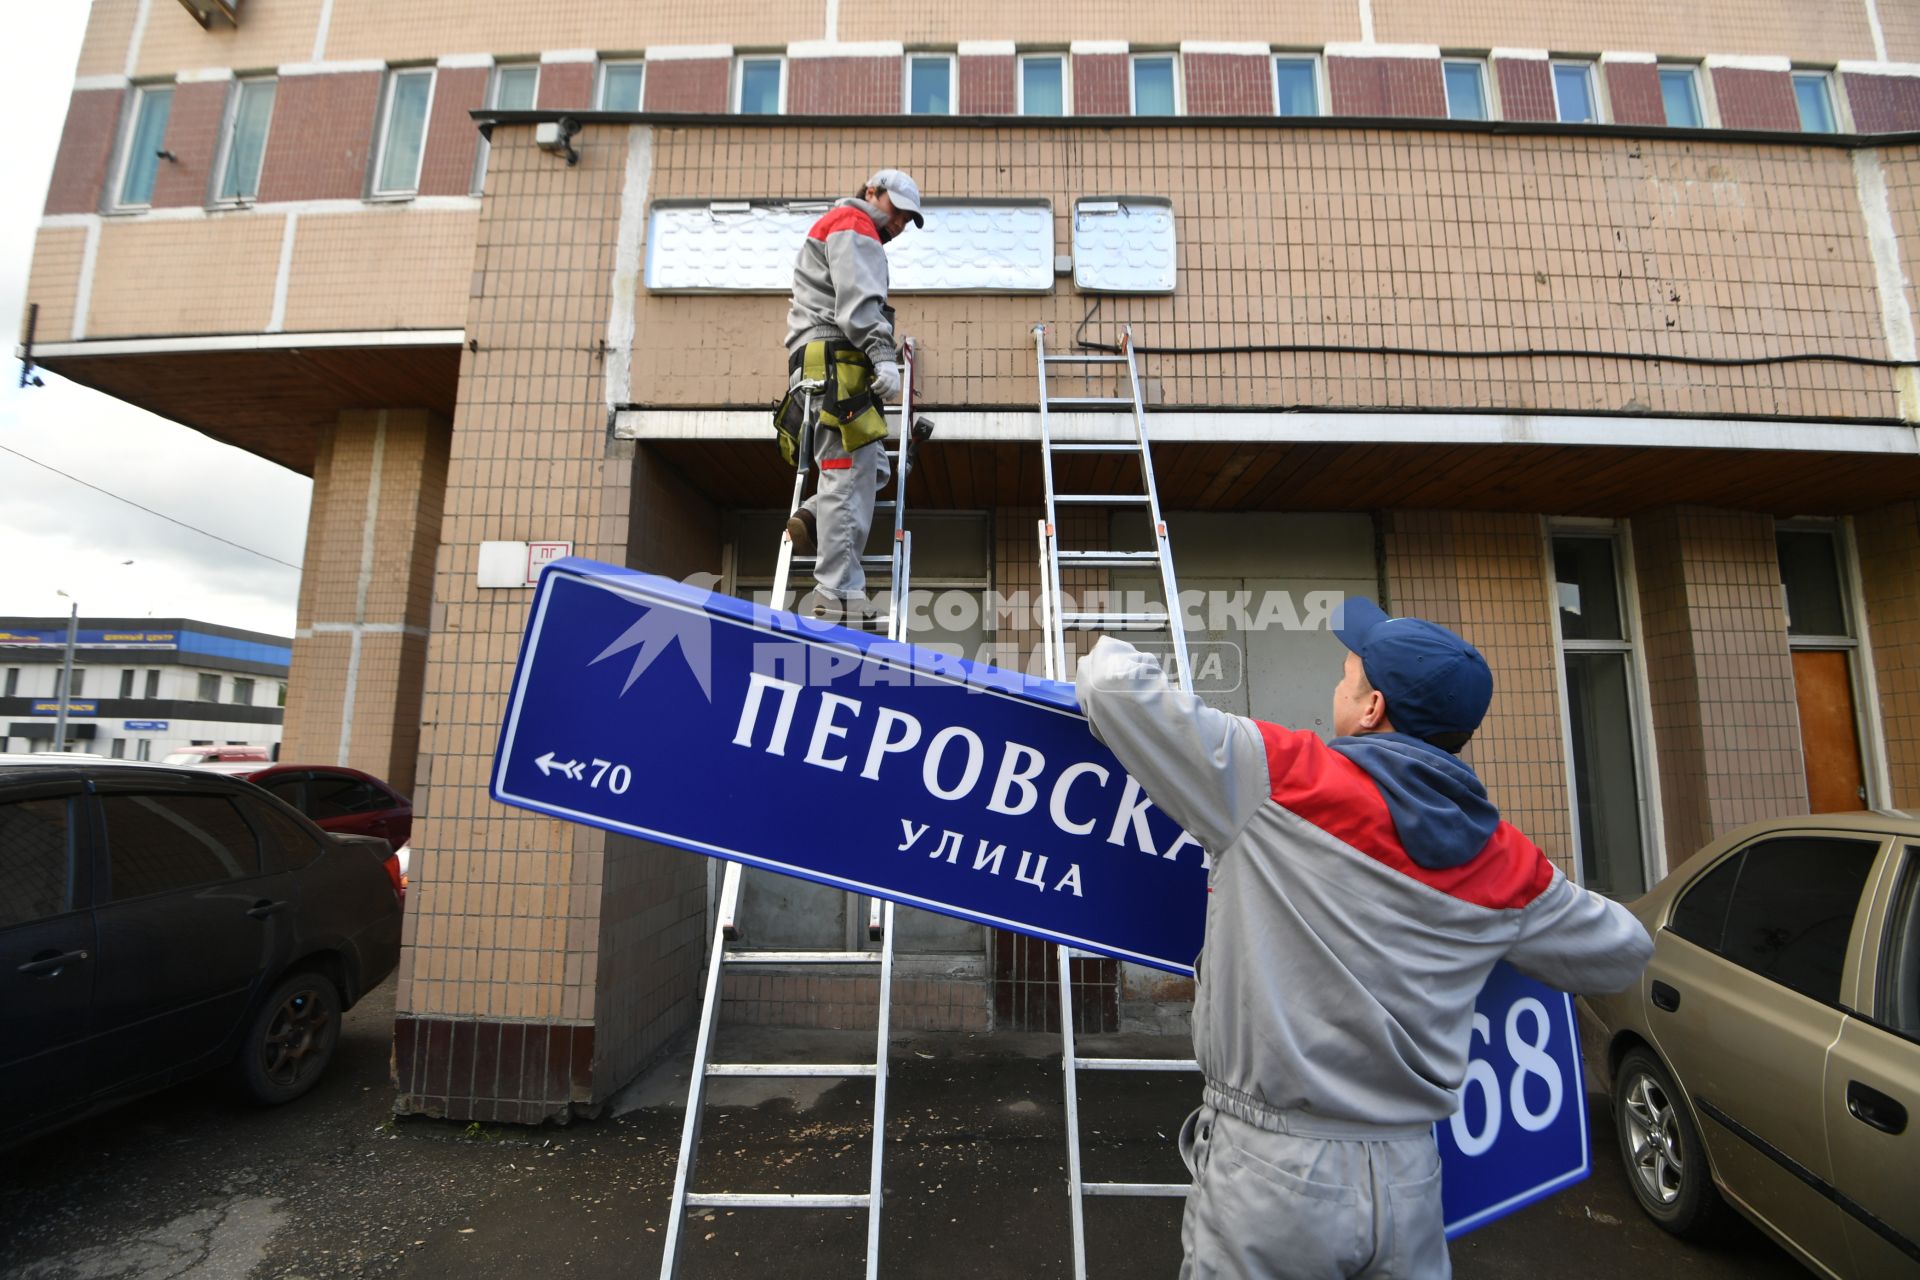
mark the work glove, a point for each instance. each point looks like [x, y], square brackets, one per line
[886, 380]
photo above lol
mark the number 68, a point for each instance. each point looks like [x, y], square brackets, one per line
[1530, 1056]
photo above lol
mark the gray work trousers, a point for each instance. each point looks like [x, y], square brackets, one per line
[842, 506]
[1313, 1199]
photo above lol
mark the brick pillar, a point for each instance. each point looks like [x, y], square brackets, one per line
[1888, 545]
[544, 963]
[1485, 575]
[353, 694]
[1720, 676]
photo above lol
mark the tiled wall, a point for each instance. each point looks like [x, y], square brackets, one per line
[1485, 576]
[322, 133]
[843, 86]
[1633, 91]
[446, 169]
[1099, 84]
[1720, 677]
[1755, 99]
[1526, 88]
[688, 84]
[1385, 87]
[1446, 240]
[187, 276]
[193, 134]
[1887, 543]
[566, 86]
[394, 267]
[1228, 84]
[80, 168]
[986, 84]
[1815, 30]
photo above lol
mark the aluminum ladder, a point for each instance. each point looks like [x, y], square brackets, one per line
[1056, 620]
[879, 913]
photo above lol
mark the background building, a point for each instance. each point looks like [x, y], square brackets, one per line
[1587, 331]
[141, 686]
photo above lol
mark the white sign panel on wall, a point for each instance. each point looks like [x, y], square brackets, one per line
[747, 246]
[1124, 244]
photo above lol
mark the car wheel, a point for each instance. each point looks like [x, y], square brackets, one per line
[1666, 1163]
[291, 1039]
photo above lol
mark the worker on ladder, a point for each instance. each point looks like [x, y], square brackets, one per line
[843, 358]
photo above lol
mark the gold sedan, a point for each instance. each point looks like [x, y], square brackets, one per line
[1769, 1058]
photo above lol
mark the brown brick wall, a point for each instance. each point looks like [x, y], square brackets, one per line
[1100, 84]
[193, 136]
[1484, 575]
[1755, 99]
[322, 132]
[1719, 674]
[452, 139]
[1883, 104]
[843, 86]
[566, 86]
[1887, 541]
[1386, 87]
[986, 85]
[1633, 89]
[688, 84]
[1526, 88]
[80, 165]
[1229, 84]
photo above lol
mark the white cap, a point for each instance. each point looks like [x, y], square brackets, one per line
[902, 190]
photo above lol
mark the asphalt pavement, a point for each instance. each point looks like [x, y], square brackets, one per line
[193, 1183]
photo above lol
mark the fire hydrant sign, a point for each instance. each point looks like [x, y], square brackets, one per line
[671, 713]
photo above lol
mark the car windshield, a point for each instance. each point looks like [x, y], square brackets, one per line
[182, 757]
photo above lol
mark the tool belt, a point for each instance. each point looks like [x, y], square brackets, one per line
[847, 402]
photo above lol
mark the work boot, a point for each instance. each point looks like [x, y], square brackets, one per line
[801, 532]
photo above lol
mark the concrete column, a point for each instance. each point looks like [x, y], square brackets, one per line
[353, 695]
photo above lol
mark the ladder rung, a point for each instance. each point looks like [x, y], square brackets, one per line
[790, 1070]
[1132, 621]
[773, 1200]
[1126, 400]
[1096, 446]
[1086, 359]
[1102, 499]
[1136, 1064]
[1107, 559]
[802, 957]
[868, 562]
[1134, 1188]
[885, 505]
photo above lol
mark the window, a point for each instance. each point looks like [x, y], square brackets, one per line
[332, 795]
[1573, 99]
[1815, 101]
[280, 696]
[403, 132]
[1821, 637]
[126, 684]
[153, 684]
[930, 85]
[35, 860]
[760, 87]
[620, 85]
[146, 139]
[79, 683]
[209, 688]
[1782, 908]
[1154, 91]
[298, 847]
[242, 691]
[1042, 87]
[13, 682]
[293, 790]
[243, 140]
[158, 843]
[1898, 988]
[512, 88]
[1466, 84]
[119, 750]
[1296, 86]
[1602, 715]
[1680, 94]
[143, 749]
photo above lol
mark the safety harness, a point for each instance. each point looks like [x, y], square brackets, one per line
[847, 402]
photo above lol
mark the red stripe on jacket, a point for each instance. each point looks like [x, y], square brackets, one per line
[1314, 781]
[846, 218]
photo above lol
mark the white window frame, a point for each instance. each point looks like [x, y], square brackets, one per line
[1700, 83]
[1313, 60]
[1489, 109]
[1065, 60]
[600, 81]
[382, 135]
[1591, 69]
[1172, 58]
[1829, 86]
[740, 79]
[229, 121]
[130, 125]
[483, 149]
[906, 80]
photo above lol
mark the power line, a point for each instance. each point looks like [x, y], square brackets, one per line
[149, 510]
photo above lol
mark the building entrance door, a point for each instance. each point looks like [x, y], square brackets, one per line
[1829, 740]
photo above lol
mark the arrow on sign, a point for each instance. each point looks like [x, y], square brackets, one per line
[574, 769]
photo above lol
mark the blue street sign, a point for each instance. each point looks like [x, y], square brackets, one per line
[145, 726]
[670, 713]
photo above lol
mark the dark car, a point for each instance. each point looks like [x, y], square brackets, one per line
[347, 801]
[158, 923]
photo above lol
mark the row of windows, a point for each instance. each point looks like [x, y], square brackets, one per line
[132, 686]
[1042, 87]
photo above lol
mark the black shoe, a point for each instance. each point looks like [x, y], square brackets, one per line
[801, 532]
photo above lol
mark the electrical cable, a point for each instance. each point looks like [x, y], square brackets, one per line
[149, 510]
[1518, 353]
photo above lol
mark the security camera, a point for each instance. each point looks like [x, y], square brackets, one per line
[556, 137]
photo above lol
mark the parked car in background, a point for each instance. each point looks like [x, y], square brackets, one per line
[213, 753]
[344, 800]
[158, 923]
[1769, 1058]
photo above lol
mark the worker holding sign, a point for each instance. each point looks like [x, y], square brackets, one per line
[1361, 891]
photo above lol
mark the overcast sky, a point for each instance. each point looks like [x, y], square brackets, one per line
[59, 535]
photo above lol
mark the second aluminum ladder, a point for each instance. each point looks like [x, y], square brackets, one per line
[898, 564]
[1056, 621]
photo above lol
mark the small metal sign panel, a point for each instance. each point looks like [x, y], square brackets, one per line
[52, 708]
[145, 726]
[671, 713]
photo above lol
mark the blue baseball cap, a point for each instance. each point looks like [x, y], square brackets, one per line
[1434, 682]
